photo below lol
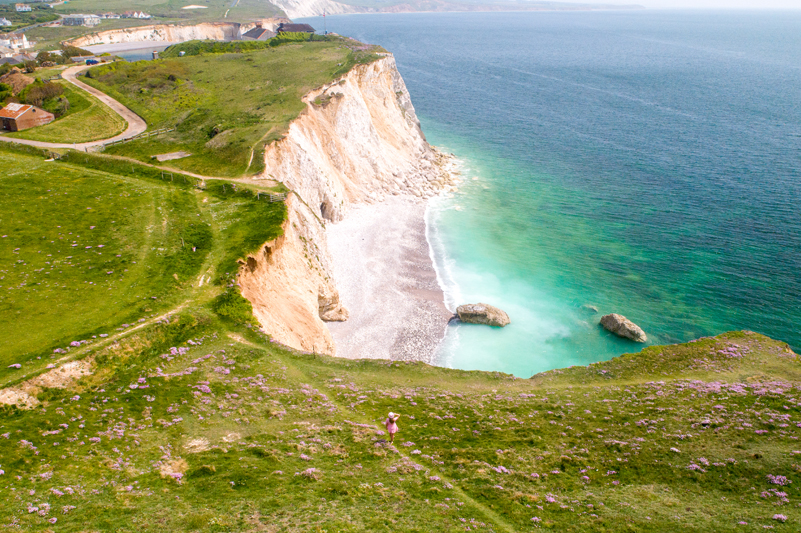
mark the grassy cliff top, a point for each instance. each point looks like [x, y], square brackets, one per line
[225, 106]
[192, 423]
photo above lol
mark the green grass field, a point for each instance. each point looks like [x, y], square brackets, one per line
[85, 250]
[225, 106]
[38, 14]
[88, 119]
[171, 10]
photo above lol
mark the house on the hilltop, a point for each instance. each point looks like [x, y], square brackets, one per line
[135, 15]
[5, 22]
[294, 28]
[259, 33]
[81, 20]
[21, 8]
[18, 117]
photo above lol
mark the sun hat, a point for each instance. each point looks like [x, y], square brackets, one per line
[391, 414]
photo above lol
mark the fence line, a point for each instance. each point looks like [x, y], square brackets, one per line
[143, 135]
[272, 197]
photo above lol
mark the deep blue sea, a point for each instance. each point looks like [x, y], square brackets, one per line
[646, 163]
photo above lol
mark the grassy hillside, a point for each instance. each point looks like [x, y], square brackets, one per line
[163, 11]
[172, 10]
[89, 246]
[225, 106]
[172, 414]
[193, 425]
[38, 14]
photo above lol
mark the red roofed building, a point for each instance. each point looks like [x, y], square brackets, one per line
[18, 117]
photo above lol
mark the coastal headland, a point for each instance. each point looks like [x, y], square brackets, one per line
[169, 328]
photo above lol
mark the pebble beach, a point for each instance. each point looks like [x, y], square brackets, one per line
[386, 279]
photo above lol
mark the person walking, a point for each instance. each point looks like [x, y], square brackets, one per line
[391, 425]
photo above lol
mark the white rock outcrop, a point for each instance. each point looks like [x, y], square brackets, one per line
[312, 8]
[359, 140]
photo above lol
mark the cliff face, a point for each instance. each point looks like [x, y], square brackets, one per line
[217, 31]
[312, 8]
[288, 284]
[359, 140]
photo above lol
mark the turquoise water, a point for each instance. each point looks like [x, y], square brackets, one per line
[645, 163]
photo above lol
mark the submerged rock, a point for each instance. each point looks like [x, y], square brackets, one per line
[623, 327]
[482, 314]
[591, 309]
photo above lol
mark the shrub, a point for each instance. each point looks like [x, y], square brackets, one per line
[5, 91]
[38, 93]
[233, 306]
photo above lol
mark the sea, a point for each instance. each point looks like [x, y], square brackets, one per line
[646, 163]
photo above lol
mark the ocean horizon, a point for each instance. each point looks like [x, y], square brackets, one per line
[642, 163]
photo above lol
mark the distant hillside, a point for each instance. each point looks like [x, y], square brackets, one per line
[309, 8]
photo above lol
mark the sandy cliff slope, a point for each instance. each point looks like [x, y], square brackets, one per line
[288, 284]
[358, 141]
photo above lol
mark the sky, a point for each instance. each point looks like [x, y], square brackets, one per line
[707, 4]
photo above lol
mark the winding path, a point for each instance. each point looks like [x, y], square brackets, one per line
[136, 124]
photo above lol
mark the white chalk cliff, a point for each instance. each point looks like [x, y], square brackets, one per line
[312, 8]
[359, 140]
[217, 31]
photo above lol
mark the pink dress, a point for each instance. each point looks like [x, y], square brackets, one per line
[392, 427]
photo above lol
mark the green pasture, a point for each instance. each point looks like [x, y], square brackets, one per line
[84, 251]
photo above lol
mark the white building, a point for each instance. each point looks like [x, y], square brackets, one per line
[80, 20]
[5, 22]
[135, 15]
[22, 7]
[15, 41]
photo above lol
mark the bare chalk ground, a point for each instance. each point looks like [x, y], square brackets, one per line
[386, 280]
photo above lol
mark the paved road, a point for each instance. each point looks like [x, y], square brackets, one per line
[135, 123]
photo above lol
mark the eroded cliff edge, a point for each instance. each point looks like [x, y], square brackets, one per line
[216, 31]
[358, 141]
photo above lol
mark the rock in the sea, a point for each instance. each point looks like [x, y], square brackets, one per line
[482, 314]
[623, 327]
[591, 309]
